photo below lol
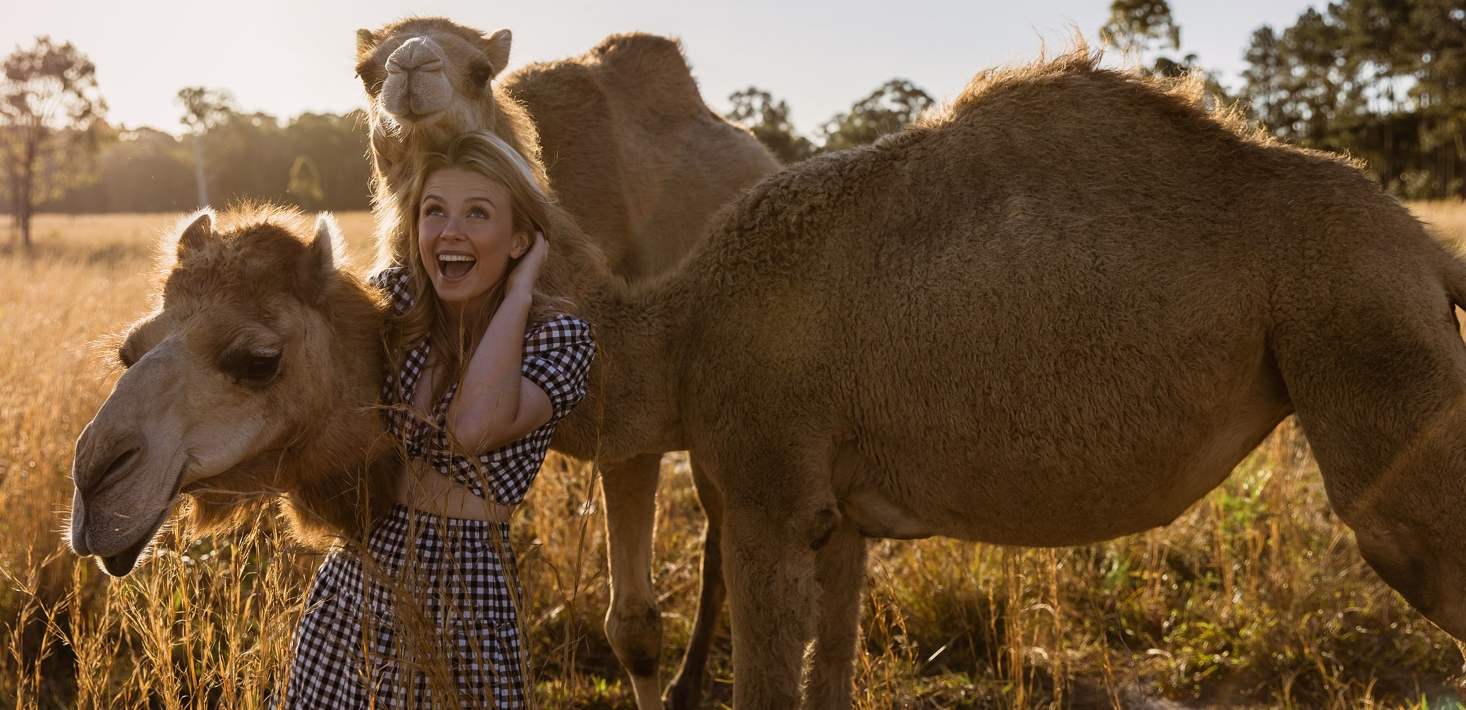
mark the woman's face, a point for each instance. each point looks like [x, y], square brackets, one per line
[466, 233]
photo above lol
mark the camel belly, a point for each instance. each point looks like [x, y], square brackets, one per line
[941, 480]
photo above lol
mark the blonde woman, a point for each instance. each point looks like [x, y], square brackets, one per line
[481, 366]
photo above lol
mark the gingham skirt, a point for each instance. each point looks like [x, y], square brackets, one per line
[430, 624]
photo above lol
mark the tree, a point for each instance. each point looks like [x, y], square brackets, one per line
[1136, 25]
[887, 110]
[768, 121]
[50, 124]
[1146, 28]
[305, 182]
[203, 111]
[1379, 79]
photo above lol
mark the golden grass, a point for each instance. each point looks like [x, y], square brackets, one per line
[1256, 596]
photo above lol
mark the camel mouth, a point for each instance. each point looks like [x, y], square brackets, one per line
[122, 563]
[413, 119]
[455, 267]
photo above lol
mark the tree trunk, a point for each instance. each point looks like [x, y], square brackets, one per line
[25, 228]
[25, 202]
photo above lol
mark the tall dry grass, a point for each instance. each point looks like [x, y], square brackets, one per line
[1256, 596]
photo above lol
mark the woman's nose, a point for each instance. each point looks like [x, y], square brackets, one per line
[454, 228]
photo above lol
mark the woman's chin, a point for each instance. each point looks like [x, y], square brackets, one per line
[460, 290]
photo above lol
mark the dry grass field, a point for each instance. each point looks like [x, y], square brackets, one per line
[1255, 597]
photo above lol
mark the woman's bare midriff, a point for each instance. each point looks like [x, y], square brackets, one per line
[422, 488]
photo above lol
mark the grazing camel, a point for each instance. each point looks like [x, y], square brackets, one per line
[640, 163]
[1059, 311]
[254, 375]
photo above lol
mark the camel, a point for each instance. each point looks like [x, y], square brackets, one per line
[640, 163]
[1060, 310]
[254, 375]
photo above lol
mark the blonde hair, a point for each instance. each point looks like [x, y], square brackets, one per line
[530, 206]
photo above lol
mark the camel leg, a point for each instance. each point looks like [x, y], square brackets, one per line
[772, 523]
[686, 690]
[840, 569]
[1384, 410]
[633, 623]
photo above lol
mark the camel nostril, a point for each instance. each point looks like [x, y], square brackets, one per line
[416, 54]
[118, 466]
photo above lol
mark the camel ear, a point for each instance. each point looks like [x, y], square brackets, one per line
[323, 257]
[200, 228]
[326, 250]
[496, 48]
[365, 43]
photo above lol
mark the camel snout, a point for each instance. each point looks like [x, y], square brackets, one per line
[416, 82]
[416, 54]
[78, 535]
[110, 468]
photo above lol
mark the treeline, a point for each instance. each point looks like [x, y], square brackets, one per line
[315, 161]
[1381, 80]
[319, 161]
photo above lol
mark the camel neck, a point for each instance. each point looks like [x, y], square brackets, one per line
[631, 397]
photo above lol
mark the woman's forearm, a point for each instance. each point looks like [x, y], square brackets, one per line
[489, 399]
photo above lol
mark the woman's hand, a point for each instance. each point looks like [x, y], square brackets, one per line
[522, 279]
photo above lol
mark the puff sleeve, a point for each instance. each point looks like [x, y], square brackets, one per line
[557, 357]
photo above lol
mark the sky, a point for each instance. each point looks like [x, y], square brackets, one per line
[288, 57]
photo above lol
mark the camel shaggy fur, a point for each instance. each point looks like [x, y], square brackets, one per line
[254, 375]
[640, 163]
[1061, 310]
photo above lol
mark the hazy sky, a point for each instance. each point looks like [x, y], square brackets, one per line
[285, 58]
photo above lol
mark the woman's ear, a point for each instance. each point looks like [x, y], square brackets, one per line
[522, 243]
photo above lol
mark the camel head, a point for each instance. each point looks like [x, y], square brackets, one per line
[256, 374]
[428, 80]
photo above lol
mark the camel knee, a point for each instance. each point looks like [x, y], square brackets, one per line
[826, 521]
[635, 633]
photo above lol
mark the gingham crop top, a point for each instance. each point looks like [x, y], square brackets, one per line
[557, 357]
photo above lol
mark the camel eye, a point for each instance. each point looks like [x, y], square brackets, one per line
[481, 74]
[251, 367]
[371, 77]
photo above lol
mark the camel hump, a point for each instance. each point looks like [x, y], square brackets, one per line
[650, 68]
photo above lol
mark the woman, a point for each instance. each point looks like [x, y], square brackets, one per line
[481, 367]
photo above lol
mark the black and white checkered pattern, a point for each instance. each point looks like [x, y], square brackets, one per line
[425, 620]
[557, 357]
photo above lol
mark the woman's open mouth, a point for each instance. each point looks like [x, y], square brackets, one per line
[453, 267]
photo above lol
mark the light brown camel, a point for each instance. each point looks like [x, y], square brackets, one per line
[640, 162]
[1060, 311]
[253, 375]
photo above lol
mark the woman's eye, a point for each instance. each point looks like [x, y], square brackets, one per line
[432, 211]
[478, 212]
